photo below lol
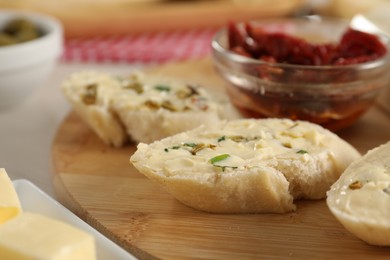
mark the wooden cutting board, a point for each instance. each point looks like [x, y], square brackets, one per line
[98, 183]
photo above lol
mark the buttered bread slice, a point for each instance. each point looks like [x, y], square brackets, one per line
[360, 199]
[91, 95]
[246, 165]
[142, 107]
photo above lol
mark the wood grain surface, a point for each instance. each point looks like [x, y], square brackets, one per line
[98, 183]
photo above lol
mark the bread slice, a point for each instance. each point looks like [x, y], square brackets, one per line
[91, 96]
[360, 199]
[142, 107]
[246, 165]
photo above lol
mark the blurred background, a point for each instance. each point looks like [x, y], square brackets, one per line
[85, 18]
[145, 30]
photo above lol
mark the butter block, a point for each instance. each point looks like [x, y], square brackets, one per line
[34, 236]
[9, 201]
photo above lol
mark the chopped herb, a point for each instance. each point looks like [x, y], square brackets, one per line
[219, 158]
[89, 97]
[168, 105]
[151, 104]
[294, 125]
[355, 185]
[189, 144]
[288, 145]
[224, 167]
[302, 151]
[387, 190]
[193, 90]
[136, 86]
[195, 147]
[162, 88]
[222, 138]
[187, 92]
[238, 138]
[199, 147]
[175, 147]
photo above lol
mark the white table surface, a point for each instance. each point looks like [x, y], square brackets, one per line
[27, 130]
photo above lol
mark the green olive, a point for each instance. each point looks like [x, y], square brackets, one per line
[18, 30]
[26, 35]
[6, 39]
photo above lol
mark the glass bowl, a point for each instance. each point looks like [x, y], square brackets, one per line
[334, 96]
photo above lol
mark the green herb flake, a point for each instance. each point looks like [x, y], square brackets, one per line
[224, 167]
[355, 185]
[136, 86]
[195, 147]
[222, 138]
[199, 147]
[238, 138]
[293, 126]
[152, 105]
[175, 147]
[168, 106]
[302, 151]
[193, 89]
[162, 88]
[90, 95]
[187, 92]
[190, 144]
[219, 158]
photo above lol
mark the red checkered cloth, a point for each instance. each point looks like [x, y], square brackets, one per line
[141, 48]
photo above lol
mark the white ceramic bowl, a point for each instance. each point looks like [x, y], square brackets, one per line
[25, 66]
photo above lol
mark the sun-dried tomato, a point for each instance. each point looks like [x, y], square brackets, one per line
[354, 47]
[358, 47]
